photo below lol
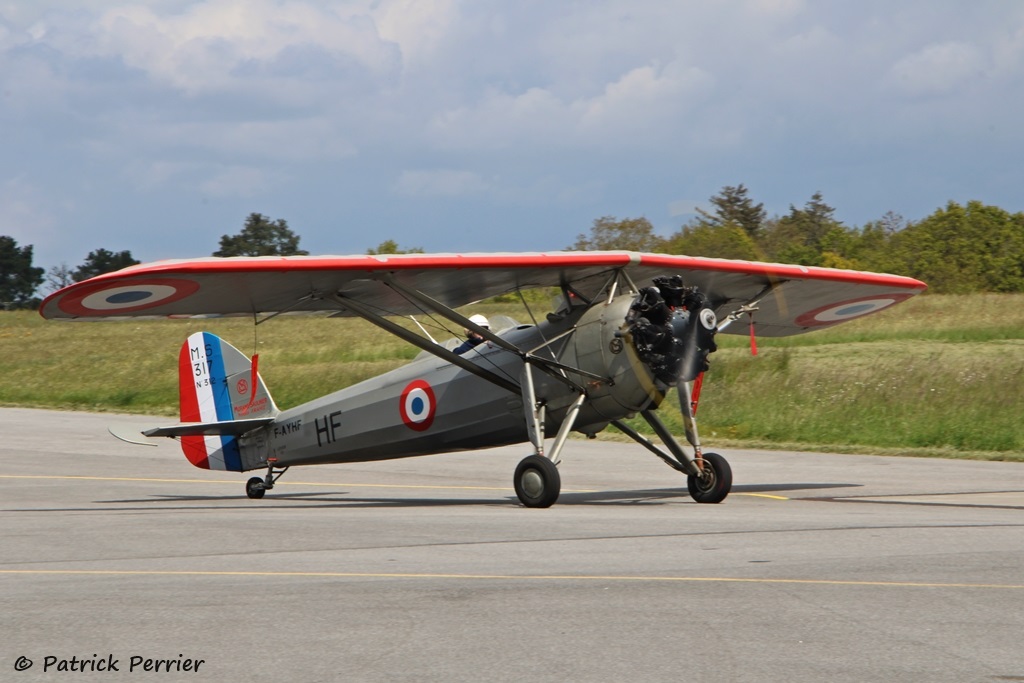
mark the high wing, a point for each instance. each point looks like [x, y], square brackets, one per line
[790, 299]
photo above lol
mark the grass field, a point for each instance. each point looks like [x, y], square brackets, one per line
[939, 375]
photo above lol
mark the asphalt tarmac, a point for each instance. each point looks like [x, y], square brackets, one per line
[816, 568]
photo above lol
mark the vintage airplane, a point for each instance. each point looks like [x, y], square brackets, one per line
[628, 328]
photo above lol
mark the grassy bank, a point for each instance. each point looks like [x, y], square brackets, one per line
[938, 375]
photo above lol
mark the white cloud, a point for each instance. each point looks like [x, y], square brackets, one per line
[502, 120]
[25, 215]
[240, 181]
[645, 104]
[776, 8]
[637, 109]
[1008, 50]
[151, 175]
[616, 107]
[938, 69]
[418, 27]
[440, 183]
[293, 140]
[169, 153]
[208, 45]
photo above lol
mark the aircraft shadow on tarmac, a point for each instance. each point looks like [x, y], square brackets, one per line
[675, 495]
[341, 498]
[765, 488]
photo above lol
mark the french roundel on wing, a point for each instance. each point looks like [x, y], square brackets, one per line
[418, 405]
[848, 310]
[113, 298]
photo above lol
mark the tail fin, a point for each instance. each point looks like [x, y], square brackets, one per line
[217, 383]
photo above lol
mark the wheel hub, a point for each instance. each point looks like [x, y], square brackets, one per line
[533, 483]
[706, 479]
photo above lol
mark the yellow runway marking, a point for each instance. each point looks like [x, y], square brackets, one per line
[503, 577]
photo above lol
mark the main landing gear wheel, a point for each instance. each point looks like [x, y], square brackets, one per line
[537, 482]
[255, 488]
[714, 484]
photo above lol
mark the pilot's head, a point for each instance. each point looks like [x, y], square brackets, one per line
[477, 320]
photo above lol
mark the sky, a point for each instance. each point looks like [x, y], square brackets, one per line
[487, 125]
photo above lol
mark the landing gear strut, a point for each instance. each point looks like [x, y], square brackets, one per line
[708, 475]
[257, 487]
[536, 480]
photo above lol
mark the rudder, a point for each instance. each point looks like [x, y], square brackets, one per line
[218, 383]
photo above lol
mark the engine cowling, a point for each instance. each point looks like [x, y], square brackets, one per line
[645, 343]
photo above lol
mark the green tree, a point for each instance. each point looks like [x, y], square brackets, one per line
[391, 247]
[873, 246]
[804, 235]
[726, 240]
[608, 233]
[18, 277]
[732, 205]
[963, 249]
[102, 261]
[261, 237]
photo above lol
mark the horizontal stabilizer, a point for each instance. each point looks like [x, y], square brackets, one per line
[223, 428]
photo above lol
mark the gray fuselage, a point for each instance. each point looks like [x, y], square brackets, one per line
[432, 406]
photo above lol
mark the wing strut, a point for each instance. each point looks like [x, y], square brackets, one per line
[380, 321]
[437, 306]
[545, 364]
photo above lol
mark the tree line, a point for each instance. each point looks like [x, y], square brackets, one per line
[958, 249]
[20, 280]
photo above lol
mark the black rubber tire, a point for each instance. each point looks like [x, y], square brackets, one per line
[254, 488]
[714, 487]
[537, 482]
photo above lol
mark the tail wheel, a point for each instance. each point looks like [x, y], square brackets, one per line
[537, 482]
[255, 488]
[715, 481]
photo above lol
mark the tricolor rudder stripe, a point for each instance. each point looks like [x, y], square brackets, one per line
[217, 383]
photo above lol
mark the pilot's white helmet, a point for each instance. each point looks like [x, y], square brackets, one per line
[479, 320]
